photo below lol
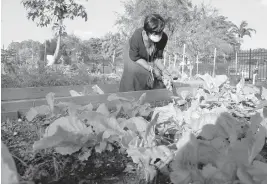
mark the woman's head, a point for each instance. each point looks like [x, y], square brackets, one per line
[154, 25]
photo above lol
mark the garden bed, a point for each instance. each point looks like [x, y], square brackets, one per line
[48, 167]
[184, 139]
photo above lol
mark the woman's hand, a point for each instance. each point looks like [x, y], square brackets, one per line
[144, 64]
[166, 72]
[157, 73]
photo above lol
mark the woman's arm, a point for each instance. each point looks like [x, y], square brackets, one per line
[144, 64]
[161, 45]
[148, 67]
[160, 65]
[134, 51]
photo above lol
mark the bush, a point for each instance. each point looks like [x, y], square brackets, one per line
[57, 75]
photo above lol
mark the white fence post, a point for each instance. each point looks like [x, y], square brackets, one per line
[214, 63]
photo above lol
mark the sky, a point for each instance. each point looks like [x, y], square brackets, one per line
[101, 17]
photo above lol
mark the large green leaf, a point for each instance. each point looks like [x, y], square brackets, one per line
[9, 173]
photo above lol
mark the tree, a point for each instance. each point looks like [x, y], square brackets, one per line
[7, 64]
[96, 45]
[173, 11]
[48, 48]
[242, 31]
[14, 46]
[25, 50]
[112, 46]
[72, 47]
[199, 27]
[206, 32]
[47, 12]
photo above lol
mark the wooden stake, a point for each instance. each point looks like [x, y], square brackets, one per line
[236, 63]
[183, 52]
[254, 78]
[113, 57]
[175, 58]
[214, 63]
[191, 68]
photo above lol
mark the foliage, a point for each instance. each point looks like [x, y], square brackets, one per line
[47, 12]
[111, 45]
[31, 76]
[74, 48]
[9, 171]
[135, 12]
[7, 58]
[25, 50]
[51, 11]
[205, 31]
[27, 56]
[199, 27]
[95, 44]
[211, 141]
[47, 48]
[242, 31]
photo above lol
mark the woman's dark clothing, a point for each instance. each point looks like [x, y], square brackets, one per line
[134, 77]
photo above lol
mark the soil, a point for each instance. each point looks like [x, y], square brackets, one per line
[49, 167]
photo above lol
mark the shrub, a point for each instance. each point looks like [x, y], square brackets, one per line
[57, 75]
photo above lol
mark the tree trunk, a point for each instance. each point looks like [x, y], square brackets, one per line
[56, 54]
[45, 53]
[239, 43]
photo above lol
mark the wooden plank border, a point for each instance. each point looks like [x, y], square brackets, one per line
[60, 91]
[10, 108]
[13, 94]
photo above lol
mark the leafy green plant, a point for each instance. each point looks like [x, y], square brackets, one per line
[216, 136]
[201, 28]
[54, 12]
[242, 31]
[29, 76]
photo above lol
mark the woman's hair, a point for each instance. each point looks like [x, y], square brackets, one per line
[154, 23]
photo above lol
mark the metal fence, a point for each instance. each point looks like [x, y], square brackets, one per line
[245, 62]
[249, 62]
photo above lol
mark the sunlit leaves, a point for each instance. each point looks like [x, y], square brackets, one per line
[9, 173]
[205, 142]
[45, 12]
[199, 27]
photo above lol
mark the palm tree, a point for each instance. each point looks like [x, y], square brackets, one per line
[242, 31]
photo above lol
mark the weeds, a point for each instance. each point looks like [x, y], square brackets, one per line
[31, 76]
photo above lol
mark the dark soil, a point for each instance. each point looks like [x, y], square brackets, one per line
[49, 167]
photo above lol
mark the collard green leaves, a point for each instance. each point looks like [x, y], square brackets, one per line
[208, 132]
